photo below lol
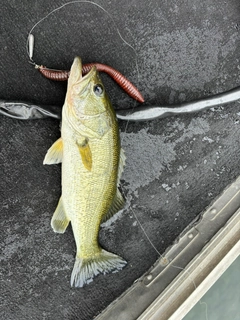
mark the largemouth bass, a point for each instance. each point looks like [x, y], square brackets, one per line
[92, 163]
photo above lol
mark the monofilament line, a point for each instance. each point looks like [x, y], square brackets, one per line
[29, 49]
[75, 2]
[155, 248]
[145, 233]
[101, 8]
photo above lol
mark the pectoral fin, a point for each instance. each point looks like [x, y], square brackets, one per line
[59, 220]
[86, 154]
[117, 204]
[54, 154]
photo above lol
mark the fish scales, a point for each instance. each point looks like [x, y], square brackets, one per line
[92, 161]
[95, 191]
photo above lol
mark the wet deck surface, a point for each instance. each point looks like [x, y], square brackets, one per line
[175, 166]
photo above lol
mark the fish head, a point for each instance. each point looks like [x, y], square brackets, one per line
[87, 104]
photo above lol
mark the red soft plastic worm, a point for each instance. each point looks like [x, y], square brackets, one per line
[124, 83]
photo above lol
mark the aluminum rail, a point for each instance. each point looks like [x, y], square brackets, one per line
[187, 269]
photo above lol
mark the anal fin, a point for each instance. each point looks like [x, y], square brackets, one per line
[117, 204]
[59, 220]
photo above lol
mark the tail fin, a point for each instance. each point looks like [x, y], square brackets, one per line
[86, 269]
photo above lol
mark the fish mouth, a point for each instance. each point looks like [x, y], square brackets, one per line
[76, 70]
[78, 84]
[76, 78]
[78, 89]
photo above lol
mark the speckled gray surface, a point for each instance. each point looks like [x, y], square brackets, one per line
[175, 166]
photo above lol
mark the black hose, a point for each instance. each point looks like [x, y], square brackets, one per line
[27, 111]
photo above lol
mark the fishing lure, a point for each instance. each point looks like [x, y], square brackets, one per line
[122, 81]
[31, 46]
[63, 75]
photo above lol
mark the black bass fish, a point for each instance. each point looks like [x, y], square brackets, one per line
[92, 163]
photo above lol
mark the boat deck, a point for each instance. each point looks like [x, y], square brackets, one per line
[175, 166]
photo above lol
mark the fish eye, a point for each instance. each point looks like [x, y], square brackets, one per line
[98, 89]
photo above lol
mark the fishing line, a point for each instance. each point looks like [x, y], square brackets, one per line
[75, 2]
[30, 39]
[155, 248]
[29, 51]
[206, 308]
[137, 81]
[145, 233]
[172, 265]
[158, 252]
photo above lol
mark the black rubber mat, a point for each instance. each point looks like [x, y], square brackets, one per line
[175, 166]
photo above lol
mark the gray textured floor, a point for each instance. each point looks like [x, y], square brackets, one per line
[175, 166]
